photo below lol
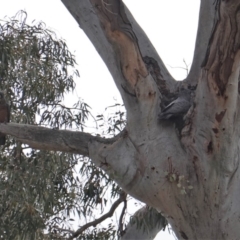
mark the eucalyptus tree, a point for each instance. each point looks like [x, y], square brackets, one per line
[188, 171]
[44, 193]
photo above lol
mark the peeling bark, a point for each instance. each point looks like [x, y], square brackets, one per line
[208, 18]
[118, 31]
[191, 176]
[223, 44]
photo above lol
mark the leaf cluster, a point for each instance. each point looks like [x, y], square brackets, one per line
[42, 193]
[112, 122]
[148, 219]
[38, 189]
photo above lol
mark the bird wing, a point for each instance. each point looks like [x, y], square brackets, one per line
[178, 106]
[169, 105]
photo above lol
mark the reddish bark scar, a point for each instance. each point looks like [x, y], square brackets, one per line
[220, 116]
[195, 165]
[210, 147]
[215, 130]
[151, 93]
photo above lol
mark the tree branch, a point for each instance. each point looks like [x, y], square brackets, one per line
[93, 18]
[151, 58]
[207, 21]
[120, 225]
[122, 44]
[121, 199]
[54, 140]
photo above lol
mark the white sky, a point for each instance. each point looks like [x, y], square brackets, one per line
[171, 26]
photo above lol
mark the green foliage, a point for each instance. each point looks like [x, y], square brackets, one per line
[36, 70]
[41, 192]
[108, 233]
[38, 189]
[148, 220]
[112, 123]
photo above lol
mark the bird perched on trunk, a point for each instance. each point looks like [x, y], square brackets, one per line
[178, 107]
[4, 116]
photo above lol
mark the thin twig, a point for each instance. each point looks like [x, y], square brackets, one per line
[102, 218]
[120, 228]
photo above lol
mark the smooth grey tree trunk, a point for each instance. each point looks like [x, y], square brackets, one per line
[190, 175]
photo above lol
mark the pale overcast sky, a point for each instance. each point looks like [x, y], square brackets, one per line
[171, 26]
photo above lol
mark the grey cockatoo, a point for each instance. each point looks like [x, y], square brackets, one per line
[178, 107]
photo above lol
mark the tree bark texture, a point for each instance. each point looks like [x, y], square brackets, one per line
[190, 175]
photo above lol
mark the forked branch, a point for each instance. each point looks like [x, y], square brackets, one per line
[94, 223]
[53, 139]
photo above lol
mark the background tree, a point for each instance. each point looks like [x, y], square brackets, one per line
[191, 175]
[41, 191]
